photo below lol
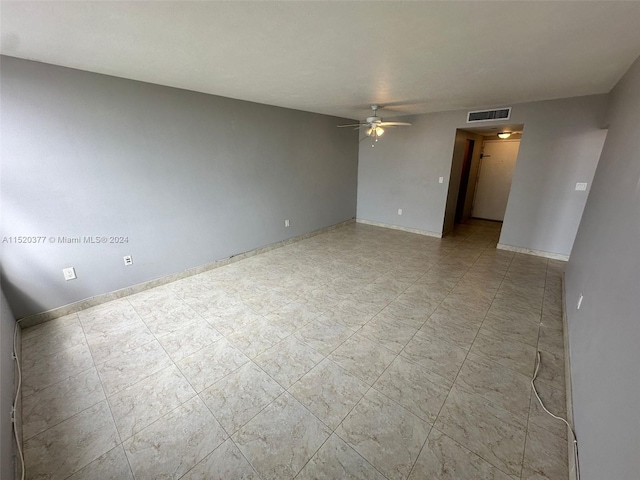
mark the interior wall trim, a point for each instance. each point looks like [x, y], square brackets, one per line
[537, 253]
[398, 227]
[75, 307]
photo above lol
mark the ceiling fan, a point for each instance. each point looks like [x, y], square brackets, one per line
[374, 124]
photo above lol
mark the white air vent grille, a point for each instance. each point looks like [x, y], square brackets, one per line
[488, 115]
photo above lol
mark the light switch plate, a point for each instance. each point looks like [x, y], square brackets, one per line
[69, 273]
[581, 186]
[440, 179]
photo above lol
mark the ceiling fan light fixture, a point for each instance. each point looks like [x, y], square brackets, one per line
[504, 135]
[374, 132]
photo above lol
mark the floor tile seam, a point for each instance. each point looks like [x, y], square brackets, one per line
[284, 390]
[195, 351]
[440, 303]
[341, 343]
[547, 384]
[56, 352]
[331, 429]
[311, 457]
[26, 439]
[214, 327]
[66, 377]
[158, 420]
[468, 450]
[498, 363]
[473, 451]
[221, 378]
[212, 451]
[461, 365]
[56, 331]
[50, 322]
[264, 408]
[121, 352]
[303, 342]
[175, 363]
[529, 410]
[542, 427]
[413, 362]
[423, 323]
[235, 345]
[335, 432]
[142, 318]
[231, 434]
[524, 416]
[373, 387]
[200, 315]
[119, 441]
[485, 335]
[137, 383]
[526, 437]
[102, 386]
[494, 315]
[426, 440]
[102, 363]
[270, 311]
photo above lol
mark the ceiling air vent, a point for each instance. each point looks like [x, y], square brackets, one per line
[488, 115]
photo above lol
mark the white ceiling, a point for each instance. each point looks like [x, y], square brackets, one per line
[338, 57]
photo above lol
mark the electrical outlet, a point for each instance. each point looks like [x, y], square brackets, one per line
[128, 260]
[581, 186]
[440, 179]
[69, 273]
[580, 302]
[286, 223]
[399, 211]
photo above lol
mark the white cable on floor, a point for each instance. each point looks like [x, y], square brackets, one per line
[573, 433]
[15, 401]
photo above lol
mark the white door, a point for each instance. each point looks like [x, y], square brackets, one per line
[494, 179]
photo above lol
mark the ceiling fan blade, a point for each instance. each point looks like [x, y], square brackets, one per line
[351, 125]
[394, 124]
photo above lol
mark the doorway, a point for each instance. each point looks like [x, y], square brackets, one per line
[498, 160]
[481, 170]
[464, 179]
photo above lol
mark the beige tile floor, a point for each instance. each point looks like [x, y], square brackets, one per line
[362, 353]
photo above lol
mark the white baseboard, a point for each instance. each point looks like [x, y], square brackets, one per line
[568, 390]
[398, 227]
[529, 251]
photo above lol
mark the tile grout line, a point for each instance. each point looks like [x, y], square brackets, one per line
[106, 399]
[459, 246]
[456, 377]
[526, 435]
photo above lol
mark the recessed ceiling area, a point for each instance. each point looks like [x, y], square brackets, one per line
[338, 58]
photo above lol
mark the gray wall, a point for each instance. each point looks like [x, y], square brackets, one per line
[561, 145]
[189, 178]
[7, 386]
[604, 335]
